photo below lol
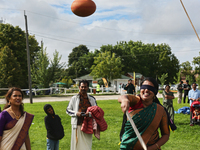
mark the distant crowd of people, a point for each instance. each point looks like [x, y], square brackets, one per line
[193, 95]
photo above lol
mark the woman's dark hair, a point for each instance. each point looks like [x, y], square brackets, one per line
[9, 94]
[167, 85]
[152, 80]
[84, 82]
[156, 100]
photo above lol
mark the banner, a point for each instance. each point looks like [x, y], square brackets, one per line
[105, 82]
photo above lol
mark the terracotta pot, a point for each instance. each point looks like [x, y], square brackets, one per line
[83, 8]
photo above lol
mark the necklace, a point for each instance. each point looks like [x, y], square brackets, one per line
[16, 116]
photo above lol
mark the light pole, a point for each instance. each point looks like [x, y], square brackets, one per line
[28, 60]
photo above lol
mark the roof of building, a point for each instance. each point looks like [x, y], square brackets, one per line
[124, 77]
[137, 75]
[89, 77]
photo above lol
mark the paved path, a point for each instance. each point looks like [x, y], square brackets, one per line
[52, 99]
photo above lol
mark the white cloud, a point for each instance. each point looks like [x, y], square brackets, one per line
[152, 21]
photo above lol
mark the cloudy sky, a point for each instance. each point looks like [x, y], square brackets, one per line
[149, 21]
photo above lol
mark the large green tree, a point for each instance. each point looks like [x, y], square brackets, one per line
[40, 69]
[14, 38]
[10, 69]
[44, 70]
[107, 66]
[147, 59]
[123, 51]
[196, 62]
[187, 72]
[80, 61]
[76, 53]
[186, 68]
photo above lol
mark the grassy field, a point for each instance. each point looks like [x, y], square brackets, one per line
[185, 137]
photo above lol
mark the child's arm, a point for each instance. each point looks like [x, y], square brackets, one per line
[194, 113]
[48, 126]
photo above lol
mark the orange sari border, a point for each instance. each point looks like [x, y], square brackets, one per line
[152, 127]
[24, 132]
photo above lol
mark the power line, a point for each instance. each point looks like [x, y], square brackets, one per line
[99, 47]
[77, 39]
[65, 41]
[61, 36]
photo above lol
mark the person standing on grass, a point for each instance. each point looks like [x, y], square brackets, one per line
[120, 88]
[98, 88]
[180, 89]
[55, 131]
[148, 117]
[168, 97]
[186, 89]
[193, 95]
[15, 122]
[77, 108]
[130, 87]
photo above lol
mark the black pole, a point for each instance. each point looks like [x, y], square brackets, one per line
[28, 60]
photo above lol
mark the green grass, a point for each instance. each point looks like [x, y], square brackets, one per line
[185, 137]
[63, 95]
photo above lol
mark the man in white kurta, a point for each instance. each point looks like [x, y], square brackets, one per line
[77, 108]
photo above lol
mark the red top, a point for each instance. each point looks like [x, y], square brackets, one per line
[137, 106]
[135, 102]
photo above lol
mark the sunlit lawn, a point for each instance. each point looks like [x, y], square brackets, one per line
[185, 137]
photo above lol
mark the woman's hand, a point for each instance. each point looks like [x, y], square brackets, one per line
[124, 103]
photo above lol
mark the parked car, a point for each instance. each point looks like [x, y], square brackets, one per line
[33, 92]
[27, 92]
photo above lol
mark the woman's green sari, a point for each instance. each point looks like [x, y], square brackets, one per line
[142, 121]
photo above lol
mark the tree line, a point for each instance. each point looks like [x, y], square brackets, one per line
[109, 61]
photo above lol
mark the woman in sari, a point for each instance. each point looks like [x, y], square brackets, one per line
[14, 123]
[148, 117]
[168, 97]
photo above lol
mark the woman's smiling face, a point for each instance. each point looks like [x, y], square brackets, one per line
[16, 98]
[146, 94]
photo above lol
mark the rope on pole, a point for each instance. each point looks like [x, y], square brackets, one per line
[190, 20]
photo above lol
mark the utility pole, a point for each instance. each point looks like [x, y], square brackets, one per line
[28, 60]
